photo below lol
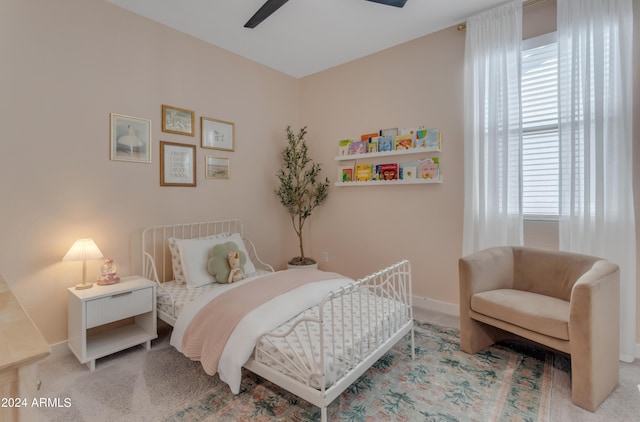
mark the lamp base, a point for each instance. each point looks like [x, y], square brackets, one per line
[83, 286]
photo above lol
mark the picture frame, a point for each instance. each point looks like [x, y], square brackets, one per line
[130, 138]
[217, 134]
[177, 164]
[216, 167]
[178, 120]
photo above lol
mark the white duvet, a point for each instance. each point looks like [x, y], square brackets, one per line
[259, 321]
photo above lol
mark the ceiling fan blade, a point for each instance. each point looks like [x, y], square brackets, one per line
[264, 12]
[396, 3]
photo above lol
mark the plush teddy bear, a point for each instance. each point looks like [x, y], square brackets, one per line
[236, 273]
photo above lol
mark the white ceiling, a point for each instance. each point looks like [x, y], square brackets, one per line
[307, 36]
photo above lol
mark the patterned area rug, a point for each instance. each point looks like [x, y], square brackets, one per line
[507, 382]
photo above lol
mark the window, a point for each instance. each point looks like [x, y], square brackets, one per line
[540, 149]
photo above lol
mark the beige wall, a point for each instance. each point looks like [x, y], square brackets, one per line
[68, 64]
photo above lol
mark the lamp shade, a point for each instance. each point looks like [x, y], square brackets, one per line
[83, 250]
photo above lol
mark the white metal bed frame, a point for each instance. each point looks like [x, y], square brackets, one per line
[392, 284]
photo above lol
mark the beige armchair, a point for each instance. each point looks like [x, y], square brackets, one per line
[565, 301]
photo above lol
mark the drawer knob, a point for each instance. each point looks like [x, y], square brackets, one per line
[121, 294]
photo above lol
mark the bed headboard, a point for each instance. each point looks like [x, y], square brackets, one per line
[156, 258]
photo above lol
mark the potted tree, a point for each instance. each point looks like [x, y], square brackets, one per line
[301, 190]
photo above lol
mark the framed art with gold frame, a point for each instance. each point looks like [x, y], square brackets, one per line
[177, 164]
[217, 134]
[216, 167]
[178, 120]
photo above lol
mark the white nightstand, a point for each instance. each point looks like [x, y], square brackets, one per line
[131, 301]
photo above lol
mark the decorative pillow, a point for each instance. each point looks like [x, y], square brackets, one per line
[194, 254]
[218, 264]
[176, 263]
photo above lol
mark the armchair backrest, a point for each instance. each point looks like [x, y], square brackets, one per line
[549, 272]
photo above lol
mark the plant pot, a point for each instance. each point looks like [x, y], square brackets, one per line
[298, 264]
[302, 267]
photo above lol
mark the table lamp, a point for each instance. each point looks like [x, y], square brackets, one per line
[83, 250]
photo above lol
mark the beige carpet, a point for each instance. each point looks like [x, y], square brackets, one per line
[144, 393]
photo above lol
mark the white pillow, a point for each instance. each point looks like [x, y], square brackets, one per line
[176, 263]
[194, 254]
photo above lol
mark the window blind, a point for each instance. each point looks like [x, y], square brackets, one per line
[540, 149]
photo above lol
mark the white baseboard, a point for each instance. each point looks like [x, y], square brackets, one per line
[436, 305]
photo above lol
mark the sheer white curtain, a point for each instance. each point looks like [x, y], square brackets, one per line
[492, 129]
[596, 193]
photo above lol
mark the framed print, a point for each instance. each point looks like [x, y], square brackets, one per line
[217, 134]
[177, 120]
[130, 138]
[177, 164]
[216, 167]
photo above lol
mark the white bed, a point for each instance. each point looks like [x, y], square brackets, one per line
[314, 340]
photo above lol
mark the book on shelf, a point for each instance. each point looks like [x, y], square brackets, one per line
[389, 132]
[403, 142]
[428, 138]
[429, 168]
[421, 138]
[385, 143]
[409, 131]
[345, 173]
[343, 146]
[387, 171]
[372, 146]
[409, 170]
[363, 172]
[434, 139]
[358, 147]
[368, 136]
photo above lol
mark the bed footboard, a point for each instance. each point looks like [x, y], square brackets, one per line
[326, 348]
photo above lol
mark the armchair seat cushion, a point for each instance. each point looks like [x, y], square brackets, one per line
[535, 312]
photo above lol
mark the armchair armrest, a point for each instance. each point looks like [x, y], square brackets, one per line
[488, 269]
[594, 334]
[594, 305]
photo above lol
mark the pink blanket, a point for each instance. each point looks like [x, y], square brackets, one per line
[207, 334]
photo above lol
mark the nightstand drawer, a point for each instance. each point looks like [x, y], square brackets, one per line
[119, 306]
